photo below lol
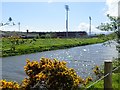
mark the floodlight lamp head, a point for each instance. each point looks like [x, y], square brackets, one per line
[89, 17]
[18, 23]
[67, 7]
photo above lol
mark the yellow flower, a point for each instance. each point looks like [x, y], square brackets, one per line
[7, 85]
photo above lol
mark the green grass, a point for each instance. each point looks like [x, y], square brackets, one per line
[39, 45]
[100, 84]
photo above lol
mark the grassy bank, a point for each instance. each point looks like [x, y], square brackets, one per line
[39, 45]
[115, 78]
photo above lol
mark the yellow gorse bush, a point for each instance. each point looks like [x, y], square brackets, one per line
[55, 74]
[87, 80]
[52, 74]
[98, 72]
[4, 85]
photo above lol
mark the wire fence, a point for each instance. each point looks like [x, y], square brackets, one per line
[102, 77]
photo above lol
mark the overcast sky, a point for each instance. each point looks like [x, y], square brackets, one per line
[49, 15]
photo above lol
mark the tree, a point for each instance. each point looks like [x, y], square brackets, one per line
[113, 25]
[10, 19]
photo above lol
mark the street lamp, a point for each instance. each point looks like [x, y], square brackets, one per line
[67, 9]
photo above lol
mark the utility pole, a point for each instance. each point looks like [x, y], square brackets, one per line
[67, 9]
[89, 26]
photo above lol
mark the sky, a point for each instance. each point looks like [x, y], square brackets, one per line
[50, 15]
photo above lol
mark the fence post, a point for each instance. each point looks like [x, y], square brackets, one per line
[108, 79]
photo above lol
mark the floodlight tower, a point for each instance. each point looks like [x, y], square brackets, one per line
[119, 29]
[89, 26]
[67, 9]
[19, 26]
[119, 16]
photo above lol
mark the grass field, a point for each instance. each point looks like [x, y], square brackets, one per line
[39, 45]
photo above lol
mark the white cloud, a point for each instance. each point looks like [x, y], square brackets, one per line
[50, 1]
[112, 7]
[85, 27]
